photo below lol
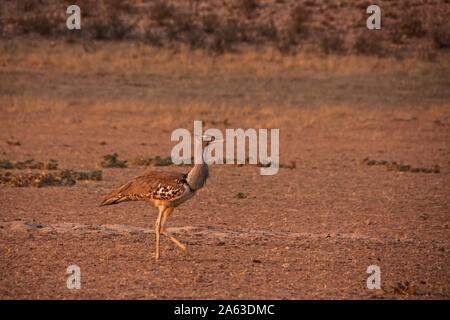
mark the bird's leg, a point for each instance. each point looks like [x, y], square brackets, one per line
[164, 232]
[158, 229]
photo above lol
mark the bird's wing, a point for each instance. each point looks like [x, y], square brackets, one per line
[157, 185]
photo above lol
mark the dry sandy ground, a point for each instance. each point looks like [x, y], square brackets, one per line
[308, 232]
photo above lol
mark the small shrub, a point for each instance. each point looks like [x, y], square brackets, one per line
[119, 5]
[183, 22]
[112, 161]
[332, 44]
[368, 43]
[241, 195]
[224, 37]
[13, 143]
[73, 37]
[99, 30]
[119, 29]
[153, 38]
[217, 45]
[6, 164]
[195, 39]
[411, 25]
[210, 22]
[230, 30]
[161, 12]
[95, 175]
[268, 31]
[440, 34]
[285, 43]
[297, 19]
[26, 5]
[39, 24]
[396, 36]
[247, 7]
[114, 26]
[153, 162]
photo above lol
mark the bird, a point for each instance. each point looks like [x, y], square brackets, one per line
[166, 190]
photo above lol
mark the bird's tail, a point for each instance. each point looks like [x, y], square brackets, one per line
[116, 196]
[113, 200]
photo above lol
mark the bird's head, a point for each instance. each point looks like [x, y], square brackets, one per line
[209, 140]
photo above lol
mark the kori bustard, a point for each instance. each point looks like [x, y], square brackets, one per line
[166, 190]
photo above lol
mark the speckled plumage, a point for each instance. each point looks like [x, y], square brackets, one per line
[153, 186]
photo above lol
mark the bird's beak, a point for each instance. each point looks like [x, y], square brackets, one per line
[218, 140]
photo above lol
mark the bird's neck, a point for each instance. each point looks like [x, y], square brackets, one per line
[196, 178]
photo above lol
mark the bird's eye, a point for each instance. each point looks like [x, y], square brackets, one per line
[207, 138]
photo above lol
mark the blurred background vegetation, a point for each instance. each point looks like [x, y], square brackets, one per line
[218, 26]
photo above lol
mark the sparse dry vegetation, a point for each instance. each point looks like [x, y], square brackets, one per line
[411, 25]
[332, 44]
[62, 178]
[153, 162]
[219, 27]
[297, 20]
[440, 33]
[29, 164]
[248, 7]
[112, 161]
[369, 44]
[394, 166]
[161, 12]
